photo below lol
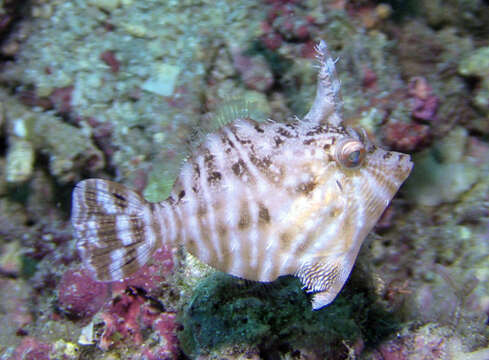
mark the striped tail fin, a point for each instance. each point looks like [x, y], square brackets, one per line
[115, 227]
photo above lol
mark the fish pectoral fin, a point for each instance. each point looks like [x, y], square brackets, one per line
[324, 276]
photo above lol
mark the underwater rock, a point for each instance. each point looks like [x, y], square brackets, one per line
[107, 5]
[464, 15]
[70, 149]
[163, 80]
[20, 161]
[443, 172]
[444, 183]
[10, 259]
[20, 153]
[16, 316]
[430, 341]
[65, 350]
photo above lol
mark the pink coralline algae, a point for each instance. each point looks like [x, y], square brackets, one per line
[424, 103]
[31, 349]
[61, 99]
[167, 348]
[109, 58]
[369, 80]
[135, 309]
[416, 133]
[79, 295]
[131, 314]
[285, 21]
[123, 317]
[392, 350]
[425, 343]
[254, 71]
[149, 277]
[271, 39]
[406, 137]
[102, 135]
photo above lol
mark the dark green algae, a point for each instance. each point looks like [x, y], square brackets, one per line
[277, 317]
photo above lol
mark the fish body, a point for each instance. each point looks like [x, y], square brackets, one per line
[255, 200]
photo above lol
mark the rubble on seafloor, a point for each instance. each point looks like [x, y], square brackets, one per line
[118, 88]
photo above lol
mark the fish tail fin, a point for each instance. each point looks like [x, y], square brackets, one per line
[116, 228]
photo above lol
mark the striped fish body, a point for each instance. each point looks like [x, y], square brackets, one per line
[260, 200]
[255, 200]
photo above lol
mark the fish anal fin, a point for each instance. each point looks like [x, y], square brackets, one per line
[324, 276]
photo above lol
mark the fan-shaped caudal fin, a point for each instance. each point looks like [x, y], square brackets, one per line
[115, 228]
[327, 103]
[325, 277]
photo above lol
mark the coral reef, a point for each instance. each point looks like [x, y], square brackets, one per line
[119, 88]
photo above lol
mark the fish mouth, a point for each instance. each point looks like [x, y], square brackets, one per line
[403, 167]
[395, 164]
[406, 164]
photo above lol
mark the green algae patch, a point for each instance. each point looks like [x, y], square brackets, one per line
[28, 266]
[228, 311]
[476, 64]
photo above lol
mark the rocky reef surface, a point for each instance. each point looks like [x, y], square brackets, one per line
[119, 88]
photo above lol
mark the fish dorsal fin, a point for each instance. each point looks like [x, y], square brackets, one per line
[327, 105]
[324, 276]
[229, 111]
[225, 113]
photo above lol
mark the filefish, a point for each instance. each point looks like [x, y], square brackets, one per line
[257, 200]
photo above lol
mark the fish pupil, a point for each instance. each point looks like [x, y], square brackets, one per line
[354, 158]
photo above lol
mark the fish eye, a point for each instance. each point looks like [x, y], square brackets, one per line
[350, 153]
[354, 157]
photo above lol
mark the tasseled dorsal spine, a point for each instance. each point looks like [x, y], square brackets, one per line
[327, 104]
